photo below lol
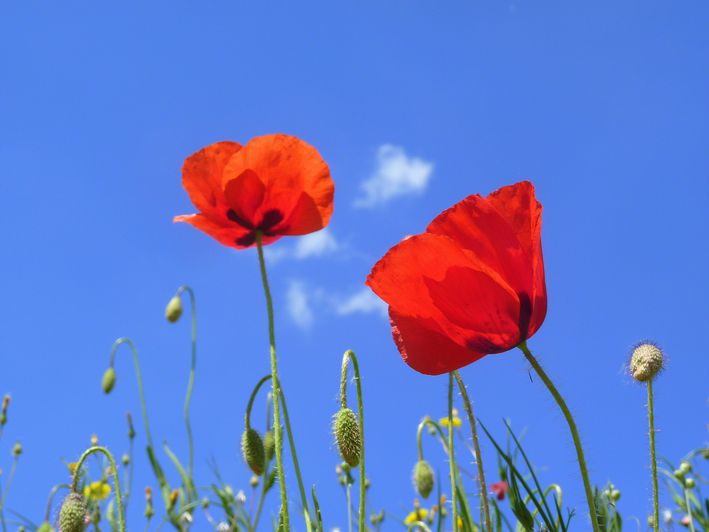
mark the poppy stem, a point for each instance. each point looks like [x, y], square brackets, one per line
[190, 382]
[653, 459]
[572, 427]
[276, 385]
[52, 493]
[478, 456]
[451, 454]
[350, 356]
[116, 482]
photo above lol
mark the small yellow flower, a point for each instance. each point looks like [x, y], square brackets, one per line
[72, 467]
[417, 515]
[97, 491]
[94, 440]
[457, 423]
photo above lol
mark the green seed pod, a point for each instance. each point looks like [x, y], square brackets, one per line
[173, 311]
[72, 514]
[253, 451]
[269, 445]
[109, 380]
[423, 478]
[646, 361]
[45, 527]
[347, 435]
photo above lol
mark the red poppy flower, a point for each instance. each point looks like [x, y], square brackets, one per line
[471, 285]
[500, 489]
[277, 185]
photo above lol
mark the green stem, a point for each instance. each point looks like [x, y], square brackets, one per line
[572, 427]
[296, 464]
[3, 494]
[262, 497]
[478, 456]
[689, 508]
[653, 459]
[348, 490]
[252, 398]
[116, 482]
[193, 366]
[347, 357]
[451, 454]
[52, 493]
[275, 383]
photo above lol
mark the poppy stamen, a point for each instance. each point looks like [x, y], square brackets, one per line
[231, 214]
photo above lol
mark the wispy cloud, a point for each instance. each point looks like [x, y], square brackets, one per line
[309, 246]
[299, 309]
[363, 301]
[396, 174]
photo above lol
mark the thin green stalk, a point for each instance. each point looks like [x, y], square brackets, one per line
[572, 427]
[193, 366]
[296, 464]
[52, 493]
[116, 482]
[451, 453]
[348, 490]
[653, 459]
[478, 456]
[689, 506]
[3, 494]
[261, 499]
[275, 383]
[347, 357]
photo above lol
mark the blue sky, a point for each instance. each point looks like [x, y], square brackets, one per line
[602, 105]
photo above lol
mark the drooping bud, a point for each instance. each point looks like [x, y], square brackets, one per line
[423, 478]
[347, 436]
[253, 451]
[17, 450]
[269, 445]
[131, 428]
[72, 515]
[173, 310]
[109, 380]
[646, 361]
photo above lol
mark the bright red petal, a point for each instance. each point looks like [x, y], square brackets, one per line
[296, 179]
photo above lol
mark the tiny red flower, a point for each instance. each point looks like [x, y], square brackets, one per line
[471, 285]
[500, 489]
[277, 185]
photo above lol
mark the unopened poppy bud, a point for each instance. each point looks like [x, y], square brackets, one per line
[125, 459]
[685, 467]
[45, 527]
[17, 449]
[72, 515]
[173, 311]
[108, 381]
[646, 361]
[689, 483]
[253, 451]
[423, 478]
[615, 495]
[269, 445]
[679, 475]
[347, 435]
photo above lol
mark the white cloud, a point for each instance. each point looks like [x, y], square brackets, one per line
[396, 174]
[299, 308]
[315, 245]
[364, 301]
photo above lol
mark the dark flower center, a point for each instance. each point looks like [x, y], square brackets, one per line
[269, 220]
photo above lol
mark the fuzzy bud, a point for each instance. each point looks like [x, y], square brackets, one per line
[689, 483]
[423, 478]
[685, 467]
[347, 435]
[173, 311]
[269, 445]
[253, 451]
[108, 381]
[646, 361]
[125, 459]
[72, 516]
[45, 527]
[17, 449]
[615, 495]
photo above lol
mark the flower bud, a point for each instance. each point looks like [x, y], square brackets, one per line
[347, 435]
[17, 449]
[45, 527]
[615, 495]
[269, 445]
[131, 428]
[685, 467]
[149, 509]
[109, 380]
[173, 311]
[253, 451]
[423, 478]
[689, 483]
[72, 515]
[125, 459]
[646, 361]
[174, 494]
[205, 502]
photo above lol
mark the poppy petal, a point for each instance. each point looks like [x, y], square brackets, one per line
[288, 168]
[231, 235]
[426, 348]
[202, 175]
[245, 194]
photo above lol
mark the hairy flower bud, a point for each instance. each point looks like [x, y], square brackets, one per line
[72, 515]
[45, 527]
[173, 311]
[269, 445]
[108, 381]
[689, 483]
[253, 450]
[423, 478]
[646, 361]
[17, 449]
[347, 435]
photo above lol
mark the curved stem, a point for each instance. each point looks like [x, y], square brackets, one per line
[116, 482]
[141, 391]
[250, 405]
[193, 366]
[296, 464]
[347, 357]
[275, 383]
[572, 427]
[653, 459]
[52, 493]
[478, 456]
[451, 454]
